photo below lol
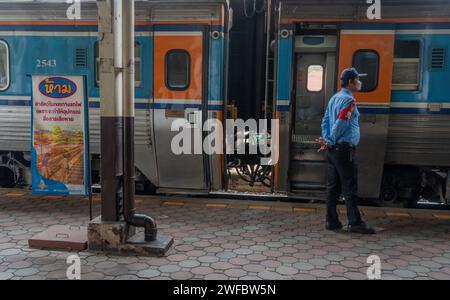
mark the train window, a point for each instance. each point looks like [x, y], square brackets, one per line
[406, 67]
[137, 63]
[178, 65]
[367, 61]
[314, 81]
[4, 66]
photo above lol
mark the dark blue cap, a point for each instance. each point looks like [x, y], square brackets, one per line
[350, 74]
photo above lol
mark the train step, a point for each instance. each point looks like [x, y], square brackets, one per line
[317, 195]
[308, 186]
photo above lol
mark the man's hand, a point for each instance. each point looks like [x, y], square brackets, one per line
[323, 144]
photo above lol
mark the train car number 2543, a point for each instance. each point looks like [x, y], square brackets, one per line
[46, 63]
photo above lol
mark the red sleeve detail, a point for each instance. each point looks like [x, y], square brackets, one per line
[346, 112]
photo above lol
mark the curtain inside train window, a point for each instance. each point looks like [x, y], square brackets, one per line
[4, 66]
[178, 69]
[367, 61]
[315, 78]
[406, 68]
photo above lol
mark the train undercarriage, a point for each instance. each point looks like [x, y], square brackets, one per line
[402, 186]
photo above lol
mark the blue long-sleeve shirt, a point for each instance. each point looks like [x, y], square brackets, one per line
[341, 120]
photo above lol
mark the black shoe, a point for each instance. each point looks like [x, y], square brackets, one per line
[361, 228]
[334, 226]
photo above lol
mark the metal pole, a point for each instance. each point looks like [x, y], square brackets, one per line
[276, 21]
[268, 33]
[149, 224]
[88, 147]
[225, 93]
[110, 40]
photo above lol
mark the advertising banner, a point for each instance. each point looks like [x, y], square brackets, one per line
[59, 139]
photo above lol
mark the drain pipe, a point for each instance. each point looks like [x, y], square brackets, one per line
[128, 73]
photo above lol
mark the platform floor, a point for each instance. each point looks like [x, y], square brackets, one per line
[230, 239]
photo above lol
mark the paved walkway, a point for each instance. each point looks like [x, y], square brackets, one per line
[224, 239]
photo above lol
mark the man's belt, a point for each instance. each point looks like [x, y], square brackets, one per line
[345, 144]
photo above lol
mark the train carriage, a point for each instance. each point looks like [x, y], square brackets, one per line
[405, 100]
[179, 55]
[218, 59]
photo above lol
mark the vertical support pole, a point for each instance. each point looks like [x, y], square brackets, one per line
[116, 35]
[110, 40]
[268, 55]
[129, 213]
[128, 58]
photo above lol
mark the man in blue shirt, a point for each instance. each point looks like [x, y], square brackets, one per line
[340, 137]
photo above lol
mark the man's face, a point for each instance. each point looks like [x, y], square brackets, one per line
[355, 85]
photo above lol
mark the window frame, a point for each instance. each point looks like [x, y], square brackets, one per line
[96, 63]
[419, 69]
[378, 67]
[8, 66]
[137, 84]
[307, 78]
[166, 77]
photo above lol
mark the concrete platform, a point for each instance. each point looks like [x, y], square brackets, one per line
[224, 239]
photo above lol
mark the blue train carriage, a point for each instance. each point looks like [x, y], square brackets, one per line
[180, 52]
[404, 154]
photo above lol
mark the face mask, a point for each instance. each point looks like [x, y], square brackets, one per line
[358, 85]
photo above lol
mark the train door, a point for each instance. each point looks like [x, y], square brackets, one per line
[315, 70]
[307, 165]
[310, 98]
[179, 93]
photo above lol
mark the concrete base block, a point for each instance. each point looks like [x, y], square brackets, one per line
[60, 237]
[111, 237]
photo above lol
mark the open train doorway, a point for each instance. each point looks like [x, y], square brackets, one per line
[250, 89]
[315, 83]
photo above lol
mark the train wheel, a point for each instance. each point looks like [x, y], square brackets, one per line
[388, 197]
[389, 194]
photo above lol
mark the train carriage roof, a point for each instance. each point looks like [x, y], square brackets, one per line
[357, 9]
[89, 1]
[57, 9]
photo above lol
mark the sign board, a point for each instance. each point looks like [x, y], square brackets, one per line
[59, 139]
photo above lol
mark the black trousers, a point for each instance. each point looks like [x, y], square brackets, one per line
[342, 174]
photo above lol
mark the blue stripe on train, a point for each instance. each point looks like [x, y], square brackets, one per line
[419, 111]
[374, 110]
[402, 111]
[96, 104]
[387, 110]
[283, 108]
[169, 106]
